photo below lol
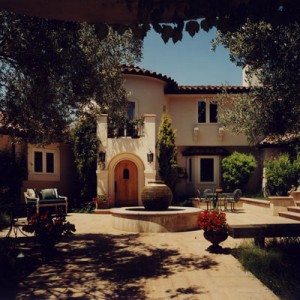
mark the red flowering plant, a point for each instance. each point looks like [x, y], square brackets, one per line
[102, 201]
[213, 221]
[48, 229]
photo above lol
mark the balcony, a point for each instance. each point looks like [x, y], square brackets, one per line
[128, 128]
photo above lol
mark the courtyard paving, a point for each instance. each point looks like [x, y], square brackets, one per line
[99, 262]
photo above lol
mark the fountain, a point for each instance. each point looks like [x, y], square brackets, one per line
[156, 215]
[138, 219]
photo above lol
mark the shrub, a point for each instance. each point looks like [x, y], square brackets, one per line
[85, 148]
[281, 173]
[4, 220]
[237, 169]
[167, 153]
[13, 170]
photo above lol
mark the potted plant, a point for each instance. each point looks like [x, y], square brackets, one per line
[102, 201]
[215, 226]
[48, 229]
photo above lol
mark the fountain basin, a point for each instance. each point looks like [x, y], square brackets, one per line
[137, 219]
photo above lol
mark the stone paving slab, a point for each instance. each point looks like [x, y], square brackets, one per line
[99, 262]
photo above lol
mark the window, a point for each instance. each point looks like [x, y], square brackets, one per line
[207, 112]
[207, 170]
[213, 112]
[201, 112]
[125, 174]
[131, 110]
[44, 161]
[190, 170]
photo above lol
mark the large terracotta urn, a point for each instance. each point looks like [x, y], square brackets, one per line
[156, 196]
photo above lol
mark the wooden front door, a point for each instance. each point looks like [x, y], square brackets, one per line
[126, 184]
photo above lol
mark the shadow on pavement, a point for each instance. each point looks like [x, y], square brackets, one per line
[99, 266]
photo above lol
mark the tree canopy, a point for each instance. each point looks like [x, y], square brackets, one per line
[168, 17]
[50, 70]
[271, 55]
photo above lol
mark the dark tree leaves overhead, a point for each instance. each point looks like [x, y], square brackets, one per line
[225, 15]
[272, 56]
[50, 70]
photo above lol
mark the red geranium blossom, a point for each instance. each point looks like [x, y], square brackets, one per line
[212, 221]
[103, 200]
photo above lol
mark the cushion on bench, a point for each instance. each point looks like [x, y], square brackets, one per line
[44, 201]
[49, 194]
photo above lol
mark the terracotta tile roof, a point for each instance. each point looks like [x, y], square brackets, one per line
[205, 89]
[135, 70]
[197, 150]
[173, 88]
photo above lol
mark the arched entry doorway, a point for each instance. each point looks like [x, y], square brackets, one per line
[126, 183]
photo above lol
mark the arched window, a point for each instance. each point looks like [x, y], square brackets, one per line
[125, 174]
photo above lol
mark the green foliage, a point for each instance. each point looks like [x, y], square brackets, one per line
[11, 176]
[271, 55]
[50, 70]
[275, 265]
[236, 169]
[281, 173]
[167, 153]
[4, 220]
[85, 148]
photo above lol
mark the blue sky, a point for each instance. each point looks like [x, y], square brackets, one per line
[191, 61]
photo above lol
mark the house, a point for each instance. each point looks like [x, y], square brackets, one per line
[124, 167]
[125, 162]
[50, 166]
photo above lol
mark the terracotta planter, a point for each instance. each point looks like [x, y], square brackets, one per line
[102, 205]
[156, 196]
[215, 237]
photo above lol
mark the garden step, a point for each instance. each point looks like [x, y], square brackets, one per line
[290, 215]
[297, 203]
[295, 209]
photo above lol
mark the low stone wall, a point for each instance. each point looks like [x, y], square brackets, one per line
[278, 204]
[256, 202]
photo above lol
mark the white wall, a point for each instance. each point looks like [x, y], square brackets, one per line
[184, 113]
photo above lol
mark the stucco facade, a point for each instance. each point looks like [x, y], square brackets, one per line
[201, 143]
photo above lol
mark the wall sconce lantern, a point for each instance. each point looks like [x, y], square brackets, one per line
[221, 133]
[102, 156]
[150, 157]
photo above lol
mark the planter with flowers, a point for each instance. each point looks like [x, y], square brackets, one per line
[48, 229]
[214, 225]
[102, 202]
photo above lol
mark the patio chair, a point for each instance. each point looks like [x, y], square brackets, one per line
[208, 197]
[197, 200]
[236, 195]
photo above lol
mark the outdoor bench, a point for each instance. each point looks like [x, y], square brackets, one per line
[45, 198]
[261, 231]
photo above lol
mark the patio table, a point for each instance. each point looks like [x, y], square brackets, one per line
[218, 199]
